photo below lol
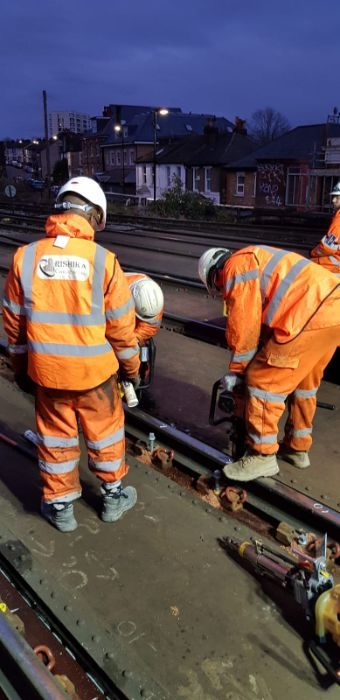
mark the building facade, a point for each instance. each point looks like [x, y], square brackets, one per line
[71, 121]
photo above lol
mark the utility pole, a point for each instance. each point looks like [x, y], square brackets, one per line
[48, 162]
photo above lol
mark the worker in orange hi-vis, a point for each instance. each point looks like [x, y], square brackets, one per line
[292, 307]
[149, 305]
[70, 320]
[327, 252]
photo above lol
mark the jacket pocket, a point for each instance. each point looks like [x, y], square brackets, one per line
[289, 362]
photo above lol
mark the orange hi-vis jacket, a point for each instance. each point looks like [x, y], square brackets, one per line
[327, 252]
[273, 288]
[68, 306]
[144, 329]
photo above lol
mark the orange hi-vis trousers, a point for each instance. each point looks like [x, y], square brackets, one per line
[101, 416]
[293, 370]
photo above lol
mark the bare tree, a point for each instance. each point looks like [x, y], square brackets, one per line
[267, 124]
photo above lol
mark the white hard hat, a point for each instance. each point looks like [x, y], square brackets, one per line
[208, 262]
[148, 298]
[88, 189]
[336, 189]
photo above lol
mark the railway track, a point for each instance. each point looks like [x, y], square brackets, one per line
[181, 475]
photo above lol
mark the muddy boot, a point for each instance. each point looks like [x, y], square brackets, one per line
[60, 515]
[297, 459]
[116, 502]
[252, 466]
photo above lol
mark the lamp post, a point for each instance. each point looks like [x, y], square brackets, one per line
[120, 130]
[162, 112]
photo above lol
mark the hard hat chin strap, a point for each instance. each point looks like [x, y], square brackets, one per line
[69, 205]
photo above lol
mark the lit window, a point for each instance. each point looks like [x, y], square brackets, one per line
[207, 179]
[196, 179]
[240, 179]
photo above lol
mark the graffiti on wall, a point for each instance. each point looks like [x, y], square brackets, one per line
[271, 184]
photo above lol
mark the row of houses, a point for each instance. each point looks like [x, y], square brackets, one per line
[133, 150]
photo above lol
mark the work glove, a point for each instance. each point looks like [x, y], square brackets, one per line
[135, 381]
[25, 383]
[231, 380]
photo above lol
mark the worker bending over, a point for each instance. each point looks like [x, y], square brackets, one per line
[327, 252]
[149, 305]
[293, 306]
[70, 320]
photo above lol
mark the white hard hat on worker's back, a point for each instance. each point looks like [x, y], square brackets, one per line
[335, 190]
[148, 298]
[209, 262]
[88, 189]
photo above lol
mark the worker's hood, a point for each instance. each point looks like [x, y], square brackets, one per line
[71, 225]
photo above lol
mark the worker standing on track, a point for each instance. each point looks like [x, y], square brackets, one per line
[327, 252]
[295, 306]
[70, 320]
[149, 305]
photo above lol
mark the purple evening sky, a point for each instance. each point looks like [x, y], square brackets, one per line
[223, 57]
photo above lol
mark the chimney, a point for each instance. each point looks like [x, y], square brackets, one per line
[211, 131]
[240, 126]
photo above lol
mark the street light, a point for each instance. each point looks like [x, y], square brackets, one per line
[162, 111]
[119, 129]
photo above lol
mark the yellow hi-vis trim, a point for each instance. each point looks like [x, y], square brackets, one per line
[243, 546]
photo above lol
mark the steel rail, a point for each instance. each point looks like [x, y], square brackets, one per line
[22, 670]
[267, 495]
[235, 237]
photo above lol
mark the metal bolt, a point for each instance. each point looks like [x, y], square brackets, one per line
[302, 539]
[151, 442]
[67, 608]
[217, 482]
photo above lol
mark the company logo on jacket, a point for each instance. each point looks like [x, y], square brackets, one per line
[63, 267]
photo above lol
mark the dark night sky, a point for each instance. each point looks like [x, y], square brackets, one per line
[224, 57]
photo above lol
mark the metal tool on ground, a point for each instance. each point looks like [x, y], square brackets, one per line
[311, 586]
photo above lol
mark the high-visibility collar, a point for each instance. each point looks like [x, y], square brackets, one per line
[71, 225]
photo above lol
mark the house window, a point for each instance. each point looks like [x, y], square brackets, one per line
[131, 157]
[118, 158]
[240, 179]
[125, 155]
[207, 173]
[113, 159]
[196, 179]
[179, 172]
[293, 186]
[168, 176]
[144, 173]
[254, 185]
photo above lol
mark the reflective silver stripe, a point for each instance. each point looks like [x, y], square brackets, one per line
[241, 278]
[243, 356]
[61, 317]
[120, 310]
[12, 306]
[111, 466]
[17, 349]
[266, 273]
[64, 499]
[301, 433]
[329, 243]
[96, 316]
[283, 288]
[27, 274]
[108, 440]
[334, 260]
[127, 353]
[51, 441]
[305, 393]
[266, 395]
[58, 467]
[71, 350]
[263, 439]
